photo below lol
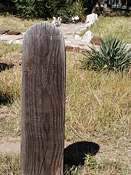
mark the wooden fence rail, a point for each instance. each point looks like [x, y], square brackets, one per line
[43, 101]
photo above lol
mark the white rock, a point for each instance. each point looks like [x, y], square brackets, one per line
[128, 46]
[67, 41]
[90, 19]
[78, 32]
[87, 36]
[82, 29]
[54, 21]
[10, 42]
[59, 20]
[18, 42]
[75, 18]
[77, 37]
[88, 25]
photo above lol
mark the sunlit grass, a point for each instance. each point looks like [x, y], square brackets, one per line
[9, 164]
[95, 101]
[117, 26]
[98, 105]
[10, 83]
[10, 89]
[6, 48]
[16, 24]
[97, 109]
[100, 165]
[10, 94]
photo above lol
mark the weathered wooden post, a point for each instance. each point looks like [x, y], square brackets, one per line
[43, 101]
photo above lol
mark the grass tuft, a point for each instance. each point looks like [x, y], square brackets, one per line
[9, 164]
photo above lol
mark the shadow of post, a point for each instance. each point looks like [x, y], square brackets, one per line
[4, 66]
[75, 153]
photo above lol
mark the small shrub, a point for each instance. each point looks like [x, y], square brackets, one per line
[48, 8]
[26, 8]
[36, 9]
[112, 55]
[70, 9]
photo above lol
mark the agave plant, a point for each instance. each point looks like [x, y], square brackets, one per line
[112, 55]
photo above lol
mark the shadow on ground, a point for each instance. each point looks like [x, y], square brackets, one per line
[5, 99]
[4, 66]
[75, 153]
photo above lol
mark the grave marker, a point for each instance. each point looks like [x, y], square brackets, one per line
[43, 101]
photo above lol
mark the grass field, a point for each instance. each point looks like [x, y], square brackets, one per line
[98, 105]
[117, 26]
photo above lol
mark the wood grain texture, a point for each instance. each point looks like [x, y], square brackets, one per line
[43, 101]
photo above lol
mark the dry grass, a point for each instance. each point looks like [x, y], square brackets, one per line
[16, 24]
[117, 26]
[9, 48]
[98, 107]
[10, 90]
[9, 164]
[96, 101]
[100, 165]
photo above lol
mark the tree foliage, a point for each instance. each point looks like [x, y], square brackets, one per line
[47, 8]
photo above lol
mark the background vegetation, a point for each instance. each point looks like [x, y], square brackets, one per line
[44, 8]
